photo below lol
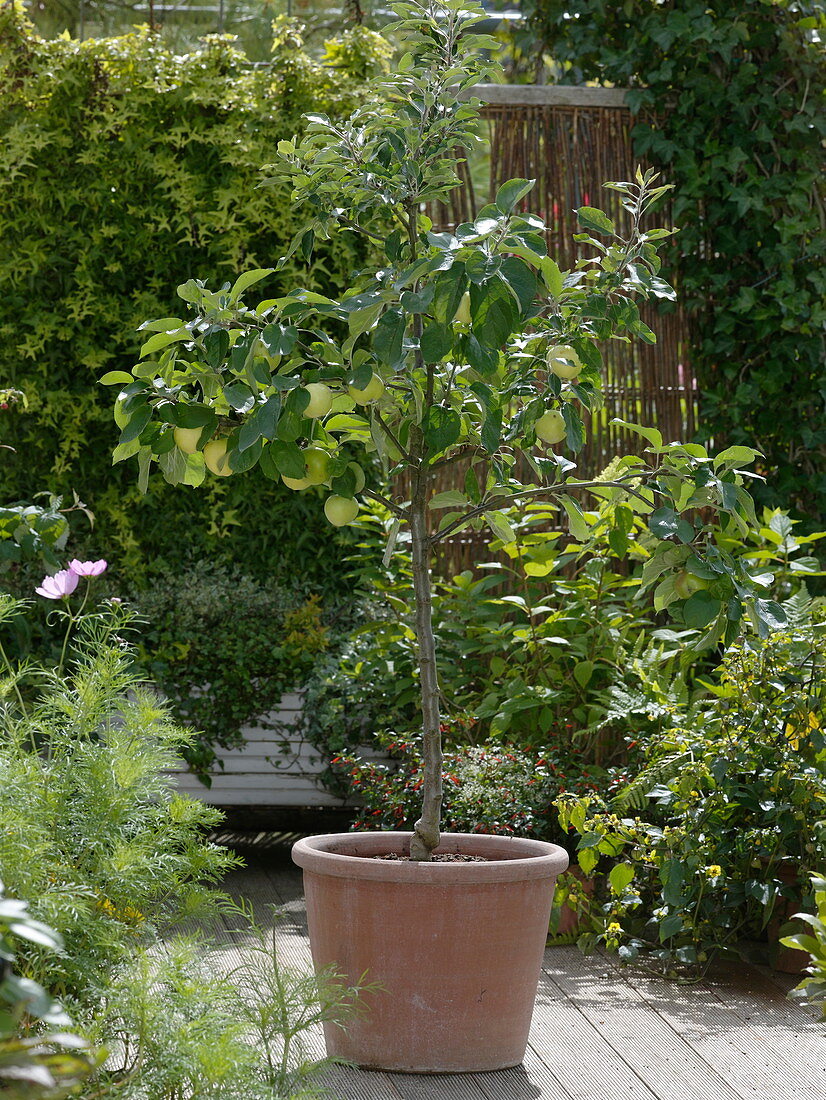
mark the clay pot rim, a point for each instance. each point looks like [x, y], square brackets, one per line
[511, 859]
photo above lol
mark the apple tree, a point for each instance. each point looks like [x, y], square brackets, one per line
[468, 348]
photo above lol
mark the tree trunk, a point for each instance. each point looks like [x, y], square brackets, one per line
[426, 834]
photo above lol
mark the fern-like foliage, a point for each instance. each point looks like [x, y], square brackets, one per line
[635, 795]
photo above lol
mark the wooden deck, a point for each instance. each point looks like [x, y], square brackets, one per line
[599, 1031]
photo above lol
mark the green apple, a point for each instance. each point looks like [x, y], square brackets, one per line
[563, 360]
[550, 427]
[321, 400]
[296, 483]
[341, 510]
[371, 392]
[686, 584]
[187, 439]
[316, 465]
[215, 457]
[358, 473]
[462, 314]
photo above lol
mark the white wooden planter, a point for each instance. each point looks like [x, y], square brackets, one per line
[262, 774]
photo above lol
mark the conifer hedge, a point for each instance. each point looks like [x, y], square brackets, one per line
[125, 169]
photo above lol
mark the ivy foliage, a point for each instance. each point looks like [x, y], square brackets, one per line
[121, 165]
[728, 99]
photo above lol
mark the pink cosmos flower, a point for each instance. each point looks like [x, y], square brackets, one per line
[60, 586]
[87, 568]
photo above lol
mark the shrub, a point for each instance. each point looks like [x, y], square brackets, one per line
[728, 807]
[813, 987]
[224, 648]
[489, 788]
[122, 164]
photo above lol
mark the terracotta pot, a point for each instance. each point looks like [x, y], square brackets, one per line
[456, 947]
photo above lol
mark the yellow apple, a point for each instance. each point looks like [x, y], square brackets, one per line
[371, 392]
[296, 483]
[341, 510]
[187, 439]
[550, 427]
[316, 465]
[462, 314]
[215, 457]
[563, 361]
[321, 400]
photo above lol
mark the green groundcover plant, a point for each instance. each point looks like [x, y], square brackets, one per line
[469, 345]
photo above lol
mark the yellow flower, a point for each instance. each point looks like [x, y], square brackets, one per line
[614, 928]
[714, 870]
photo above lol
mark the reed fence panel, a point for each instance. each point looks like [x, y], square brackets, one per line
[571, 141]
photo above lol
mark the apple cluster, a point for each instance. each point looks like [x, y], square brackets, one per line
[339, 510]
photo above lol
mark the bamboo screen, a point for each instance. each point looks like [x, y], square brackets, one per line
[571, 141]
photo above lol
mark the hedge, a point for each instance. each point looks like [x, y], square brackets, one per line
[124, 169]
[737, 89]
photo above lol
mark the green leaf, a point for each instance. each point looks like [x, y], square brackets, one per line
[441, 428]
[287, 457]
[574, 430]
[113, 377]
[580, 528]
[511, 192]
[194, 416]
[620, 876]
[483, 359]
[248, 279]
[261, 423]
[771, 613]
[449, 286]
[216, 346]
[701, 609]
[651, 434]
[436, 343]
[595, 221]
[670, 926]
[491, 434]
[239, 396]
[388, 338]
[583, 671]
[735, 456]
[138, 420]
[494, 312]
[163, 340]
[279, 339]
[552, 276]
[451, 498]
[500, 526]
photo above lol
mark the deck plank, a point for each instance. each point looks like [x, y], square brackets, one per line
[658, 1053]
[600, 1031]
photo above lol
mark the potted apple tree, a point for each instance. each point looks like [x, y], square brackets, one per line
[468, 350]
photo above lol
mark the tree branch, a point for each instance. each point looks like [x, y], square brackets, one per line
[391, 435]
[552, 490]
[390, 505]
